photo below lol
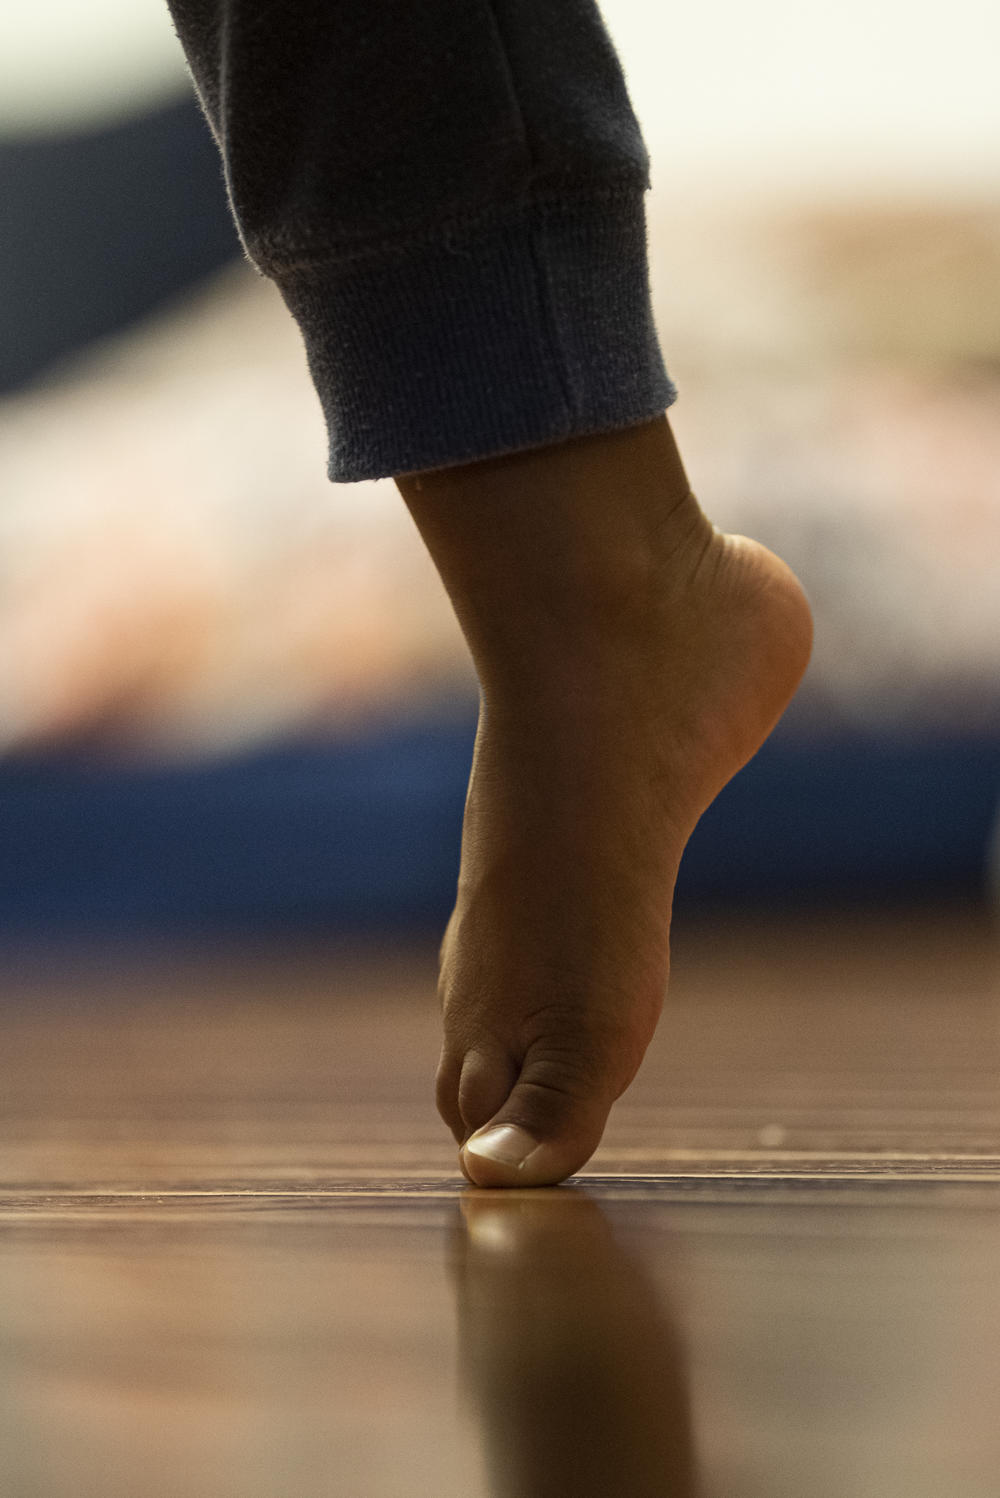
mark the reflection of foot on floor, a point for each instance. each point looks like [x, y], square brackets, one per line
[579, 1379]
[632, 659]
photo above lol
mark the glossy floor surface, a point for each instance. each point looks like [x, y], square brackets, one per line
[236, 1260]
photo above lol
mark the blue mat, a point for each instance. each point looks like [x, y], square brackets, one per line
[364, 834]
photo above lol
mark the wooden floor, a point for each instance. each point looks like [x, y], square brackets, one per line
[236, 1260]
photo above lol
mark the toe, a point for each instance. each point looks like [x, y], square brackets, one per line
[446, 1093]
[472, 1086]
[484, 1086]
[549, 1125]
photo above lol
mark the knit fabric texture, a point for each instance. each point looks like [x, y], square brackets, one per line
[450, 197]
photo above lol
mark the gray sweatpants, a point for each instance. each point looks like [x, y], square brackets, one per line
[449, 195]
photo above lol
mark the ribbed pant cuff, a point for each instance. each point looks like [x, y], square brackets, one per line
[498, 335]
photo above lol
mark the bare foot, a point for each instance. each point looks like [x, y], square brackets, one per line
[632, 659]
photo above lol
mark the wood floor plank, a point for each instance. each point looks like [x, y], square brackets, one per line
[237, 1261]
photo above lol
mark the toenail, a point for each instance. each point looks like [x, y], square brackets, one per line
[505, 1145]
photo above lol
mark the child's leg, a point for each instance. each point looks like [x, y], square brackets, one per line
[632, 659]
[450, 198]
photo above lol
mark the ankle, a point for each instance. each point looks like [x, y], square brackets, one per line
[563, 549]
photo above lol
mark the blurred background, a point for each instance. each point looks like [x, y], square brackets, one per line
[233, 695]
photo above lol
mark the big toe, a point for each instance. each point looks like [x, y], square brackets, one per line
[548, 1127]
